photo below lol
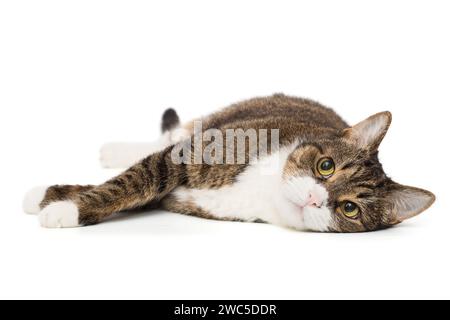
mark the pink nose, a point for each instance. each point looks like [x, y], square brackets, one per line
[314, 200]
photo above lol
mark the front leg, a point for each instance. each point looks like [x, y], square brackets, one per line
[38, 198]
[150, 180]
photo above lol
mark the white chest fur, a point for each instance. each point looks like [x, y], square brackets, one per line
[255, 195]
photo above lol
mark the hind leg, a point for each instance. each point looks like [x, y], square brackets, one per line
[124, 155]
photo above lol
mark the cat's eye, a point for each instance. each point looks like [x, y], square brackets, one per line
[326, 167]
[350, 209]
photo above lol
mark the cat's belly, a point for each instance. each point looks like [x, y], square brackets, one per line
[231, 203]
[254, 196]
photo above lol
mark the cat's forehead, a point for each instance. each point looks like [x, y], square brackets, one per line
[359, 171]
[343, 150]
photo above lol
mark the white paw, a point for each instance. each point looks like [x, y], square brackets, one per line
[120, 155]
[110, 155]
[60, 214]
[124, 155]
[33, 199]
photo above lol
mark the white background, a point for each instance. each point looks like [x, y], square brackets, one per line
[76, 74]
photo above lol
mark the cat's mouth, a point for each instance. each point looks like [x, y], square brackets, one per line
[304, 205]
[305, 209]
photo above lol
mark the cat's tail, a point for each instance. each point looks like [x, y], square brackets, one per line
[170, 120]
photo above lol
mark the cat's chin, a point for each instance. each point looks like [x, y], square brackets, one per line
[291, 215]
[317, 219]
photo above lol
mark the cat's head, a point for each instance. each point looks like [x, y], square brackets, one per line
[337, 183]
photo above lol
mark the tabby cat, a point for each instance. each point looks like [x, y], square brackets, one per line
[326, 175]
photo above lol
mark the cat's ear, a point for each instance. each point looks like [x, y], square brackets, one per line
[408, 202]
[369, 133]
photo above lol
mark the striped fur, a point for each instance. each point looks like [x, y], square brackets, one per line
[314, 130]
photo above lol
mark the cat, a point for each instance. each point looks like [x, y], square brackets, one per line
[326, 176]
